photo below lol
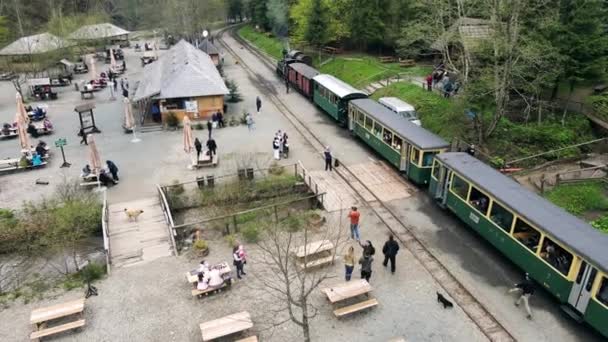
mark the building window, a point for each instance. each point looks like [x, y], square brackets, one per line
[556, 256]
[460, 187]
[602, 294]
[501, 216]
[527, 235]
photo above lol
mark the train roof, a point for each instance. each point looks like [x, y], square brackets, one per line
[305, 70]
[562, 226]
[413, 133]
[337, 86]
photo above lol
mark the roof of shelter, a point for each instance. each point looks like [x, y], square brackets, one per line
[305, 70]
[471, 31]
[183, 71]
[337, 86]
[415, 134]
[36, 44]
[98, 31]
[208, 47]
[560, 225]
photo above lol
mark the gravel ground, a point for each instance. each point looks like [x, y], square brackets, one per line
[152, 302]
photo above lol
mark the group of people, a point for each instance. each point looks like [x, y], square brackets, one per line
[280, 146]
[211, 277]
[442, 80]
[107, 176]
[47, 127]
[211, 147]
[35, 156]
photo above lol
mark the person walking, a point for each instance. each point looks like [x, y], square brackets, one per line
[199, 148]
[328, 159]
[368, 248]
[113, 169]
[220, 120]
[115, 84]
[237, 261]
[83, 135]
[243, 256]
[258, 103]
[249, 121]
[349, 263]
[366, 266]
[209, 127]
[354, 215]
[286, 85]
[212, 146]
[390, 249]
[526, 288]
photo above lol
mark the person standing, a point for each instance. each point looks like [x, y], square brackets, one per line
[328, 158]
[275, 148]
[368, 248]
[354, 215]
[237, 261]
[349, 263]
[390, 249]
[115, 84]
[366, 266]
[209, 127]
[199, 148]
[113, 169]
[249, 120]
[286, 85]
[429, 82]
[258, 104]
[212, 146]
[526, 288]
[83, 135]
[243, 256]
[220, 119]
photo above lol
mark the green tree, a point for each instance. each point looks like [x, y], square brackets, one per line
[317, 22]
[260, 10]
[366, 24]
[235, 10]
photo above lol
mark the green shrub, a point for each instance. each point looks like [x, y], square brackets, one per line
[251, 232]
[601, 223]
[579, 198]
[172, 120]
[231, 240]
[92, 272]
[200, 245]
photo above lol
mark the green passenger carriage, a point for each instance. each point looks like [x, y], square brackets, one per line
[563, 253]
[332, 95]
[409, 147]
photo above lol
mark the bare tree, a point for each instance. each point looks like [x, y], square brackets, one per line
[287, 282]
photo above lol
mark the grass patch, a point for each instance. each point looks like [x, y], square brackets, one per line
[438, 114]
[579, 199]
[270, 45]
[361, 70]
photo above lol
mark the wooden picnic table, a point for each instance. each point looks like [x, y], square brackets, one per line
[223, 266]
[347, 290]
[226, 325]
[314, 248]
[57, 311]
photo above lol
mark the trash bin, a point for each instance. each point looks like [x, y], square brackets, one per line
[210, 181]
[250, 174]
[200, 181]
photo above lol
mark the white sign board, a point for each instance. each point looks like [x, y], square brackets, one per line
[191, 106]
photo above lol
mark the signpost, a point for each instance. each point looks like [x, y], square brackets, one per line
[60, 143]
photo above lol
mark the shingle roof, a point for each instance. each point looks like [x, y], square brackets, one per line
[337, 86]
[413, 133]
[304, 70]
[569, 230]
[208, 47]
[36, 44]
[183, 71]
[98, 31]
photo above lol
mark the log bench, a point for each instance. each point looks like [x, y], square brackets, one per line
[387, 59]
[347, 310]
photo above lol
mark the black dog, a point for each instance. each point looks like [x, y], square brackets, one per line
[446, 303]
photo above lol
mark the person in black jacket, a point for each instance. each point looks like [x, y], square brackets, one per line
[199, 147]
[390, 249]
[527, 289]
[113, 169]
[209, 127]
[212, 146]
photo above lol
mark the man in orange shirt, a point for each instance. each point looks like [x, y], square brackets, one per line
[354, 223]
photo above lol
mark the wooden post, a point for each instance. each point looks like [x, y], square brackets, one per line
[542, 183]
[276, 213]
[295, 169]
[316, 189]
[557, 179]
[236, 229]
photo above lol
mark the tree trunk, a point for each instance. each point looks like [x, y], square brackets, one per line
[305, 323]
[572, 83]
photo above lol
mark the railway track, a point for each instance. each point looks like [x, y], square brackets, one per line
[486, 322]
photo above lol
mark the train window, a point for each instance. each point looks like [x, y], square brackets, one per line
[591, 279]
[378, 130]
[369, 123]
[427, 158]
[501, 216]
[602, 294]
[415, 156]
[460, 187]
[397, 142]
[479, 200]
[527, 235]
[556, 256]
[436, 167]
[360, 117]
[387, 136]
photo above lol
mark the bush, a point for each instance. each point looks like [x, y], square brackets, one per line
[601, 223]
[578, 199]
[172, 120]
[92, 272]
[231, 240]
[200, 245]
[251, 232]
[198, 126]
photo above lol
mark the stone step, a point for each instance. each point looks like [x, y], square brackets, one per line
[150, 128]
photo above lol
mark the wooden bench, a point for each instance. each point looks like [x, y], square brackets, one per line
[248, 339]
[406, 63]
[209, 290]
[386, 59]
[4, 167]
[347, 310]
[36, 335]
[331, 50]
[226, 325]
[317, 262]
[207, 160]
[93, 183]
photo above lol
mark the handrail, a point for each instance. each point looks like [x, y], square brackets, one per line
[168, 217]
[105, 217]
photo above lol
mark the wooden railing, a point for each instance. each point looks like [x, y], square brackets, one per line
[168, 217]
[105, 219]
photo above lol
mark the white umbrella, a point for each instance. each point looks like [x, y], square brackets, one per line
[188, 139]
[130, 120]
